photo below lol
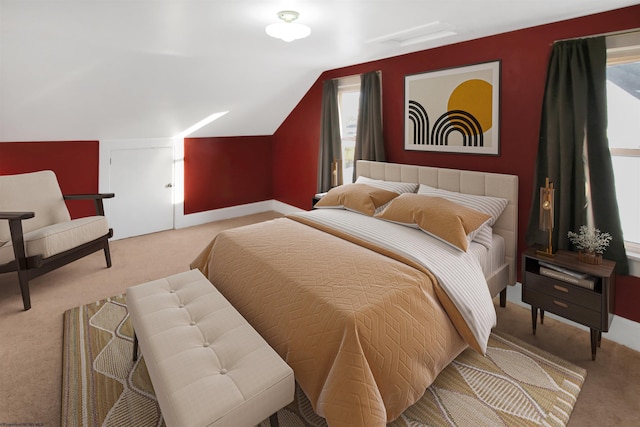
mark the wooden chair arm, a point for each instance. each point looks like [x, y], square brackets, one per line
[11, 216]
[97, 200]
[17, 236]
[89, 196]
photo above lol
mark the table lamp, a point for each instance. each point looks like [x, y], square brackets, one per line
[546, 214]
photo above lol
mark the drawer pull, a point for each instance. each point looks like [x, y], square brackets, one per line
[560, 288]
[561, 304]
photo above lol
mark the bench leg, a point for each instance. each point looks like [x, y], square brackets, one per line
[135, 347]
[273, 420]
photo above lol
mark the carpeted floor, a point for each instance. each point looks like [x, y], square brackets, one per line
[31, 342]
[515, 385]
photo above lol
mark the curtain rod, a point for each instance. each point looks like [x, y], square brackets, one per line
[612, 33]
[355, 75]
[346, 77]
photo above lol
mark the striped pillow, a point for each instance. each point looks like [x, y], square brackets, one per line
[398, 187]
[483, 235]
[492, 206]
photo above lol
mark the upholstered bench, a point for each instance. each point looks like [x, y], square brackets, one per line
[208, 366]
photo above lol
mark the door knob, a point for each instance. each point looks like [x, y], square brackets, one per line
[169, 185]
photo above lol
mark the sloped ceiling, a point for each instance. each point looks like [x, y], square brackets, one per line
[137, 69]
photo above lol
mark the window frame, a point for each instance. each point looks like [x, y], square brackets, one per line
[347, 84]
[625, 48]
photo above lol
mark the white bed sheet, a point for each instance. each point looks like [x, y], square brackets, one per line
[490, 259]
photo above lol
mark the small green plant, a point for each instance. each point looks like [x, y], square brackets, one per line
[590, 239]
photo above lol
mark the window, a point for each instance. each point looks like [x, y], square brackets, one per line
[348, 104]
[623, 105]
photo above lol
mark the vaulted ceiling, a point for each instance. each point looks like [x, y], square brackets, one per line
[137, 69]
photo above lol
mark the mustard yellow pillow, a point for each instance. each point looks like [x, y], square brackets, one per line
[356, 197]
[441, 218]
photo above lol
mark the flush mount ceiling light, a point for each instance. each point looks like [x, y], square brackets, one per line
[288, 30]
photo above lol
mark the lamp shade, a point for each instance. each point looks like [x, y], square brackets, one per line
[288, 30]
[546, 215]
[546, 208]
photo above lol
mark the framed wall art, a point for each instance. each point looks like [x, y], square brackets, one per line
[456, 110]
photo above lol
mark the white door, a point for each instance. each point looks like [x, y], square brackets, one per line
[142, 180]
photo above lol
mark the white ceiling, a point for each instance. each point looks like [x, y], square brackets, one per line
[137, 69]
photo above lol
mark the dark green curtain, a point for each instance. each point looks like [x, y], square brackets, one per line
[573, 134]
[369, 140]
[330, 144]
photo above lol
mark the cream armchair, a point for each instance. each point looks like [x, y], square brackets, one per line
[37, 234]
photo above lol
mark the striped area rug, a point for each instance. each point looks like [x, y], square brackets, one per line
[515, 385]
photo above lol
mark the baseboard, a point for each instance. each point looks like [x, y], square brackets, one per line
[284, 208]
[623, 331]
[190, 220]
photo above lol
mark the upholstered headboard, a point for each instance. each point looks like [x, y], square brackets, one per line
[462, 181]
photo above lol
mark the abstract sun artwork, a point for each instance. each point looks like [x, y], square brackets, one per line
[454, 110]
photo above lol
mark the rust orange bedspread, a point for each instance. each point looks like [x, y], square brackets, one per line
[364, 333]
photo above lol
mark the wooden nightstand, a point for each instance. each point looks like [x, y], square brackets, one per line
[592, 308]
[316, 199]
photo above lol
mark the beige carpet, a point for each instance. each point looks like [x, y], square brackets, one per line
[31, 342]
[515, 385]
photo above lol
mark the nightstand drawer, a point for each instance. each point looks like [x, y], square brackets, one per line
[566, 291]
[561, 307]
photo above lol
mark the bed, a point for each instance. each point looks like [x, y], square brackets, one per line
[367, 311]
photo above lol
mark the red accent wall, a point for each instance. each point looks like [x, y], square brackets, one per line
[524, 56]
[75, 163]
[296, 150]
[223, 172]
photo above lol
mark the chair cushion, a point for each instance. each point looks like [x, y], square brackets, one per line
[57, 238]
[36, 192]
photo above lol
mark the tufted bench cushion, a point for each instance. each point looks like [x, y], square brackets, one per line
[208, 366]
